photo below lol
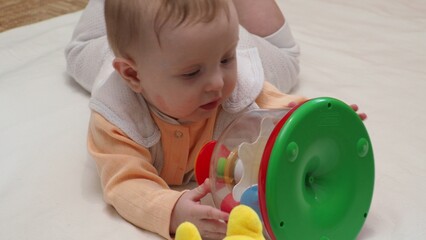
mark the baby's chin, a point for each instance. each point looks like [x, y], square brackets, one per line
[200, 115]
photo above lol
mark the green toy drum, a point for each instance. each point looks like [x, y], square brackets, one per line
[308, 172]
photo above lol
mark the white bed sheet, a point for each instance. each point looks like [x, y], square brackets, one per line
[372, 53]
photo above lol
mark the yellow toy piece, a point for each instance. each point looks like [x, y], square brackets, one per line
[187, 231]
[243, 224]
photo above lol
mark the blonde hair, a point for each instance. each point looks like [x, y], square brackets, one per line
[127, 21]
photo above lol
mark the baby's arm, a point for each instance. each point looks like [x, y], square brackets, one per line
[130, 182]
[88, 50]
[132, 185]
[270, 97]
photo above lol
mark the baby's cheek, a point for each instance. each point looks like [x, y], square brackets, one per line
[161, 104]
[173, 105]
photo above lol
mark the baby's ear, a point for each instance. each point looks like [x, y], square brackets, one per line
[127, 69]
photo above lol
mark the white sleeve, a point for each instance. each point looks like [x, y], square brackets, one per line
[88, 50]
[279, 55]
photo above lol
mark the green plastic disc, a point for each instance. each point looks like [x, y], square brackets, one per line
[320, 176]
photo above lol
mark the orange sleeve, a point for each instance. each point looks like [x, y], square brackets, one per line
[130, 182]
[271, 97]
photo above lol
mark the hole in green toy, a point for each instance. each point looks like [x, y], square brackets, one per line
[309, 180]
[329, 105]
[365, 215]
[281, 224]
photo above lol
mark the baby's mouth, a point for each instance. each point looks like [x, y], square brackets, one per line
[210, 105]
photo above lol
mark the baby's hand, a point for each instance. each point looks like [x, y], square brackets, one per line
[209, 220]
[362, 115]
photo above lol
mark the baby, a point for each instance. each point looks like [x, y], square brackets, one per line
[180, 75]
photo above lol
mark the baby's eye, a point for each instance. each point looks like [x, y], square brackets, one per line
[227, 60]
[190, 74]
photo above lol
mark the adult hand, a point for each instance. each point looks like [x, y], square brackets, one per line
[209, 220]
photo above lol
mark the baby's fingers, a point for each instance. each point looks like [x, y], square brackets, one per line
[207, 212]
[211, 222]
[213, 229]
[201, 191]
[363, 116]
[355, 107]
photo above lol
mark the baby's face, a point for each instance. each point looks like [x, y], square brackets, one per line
[194, 70]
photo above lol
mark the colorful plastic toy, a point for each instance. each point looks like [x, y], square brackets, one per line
[308, 172]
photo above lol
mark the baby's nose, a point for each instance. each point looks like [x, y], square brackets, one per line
[215, 83]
